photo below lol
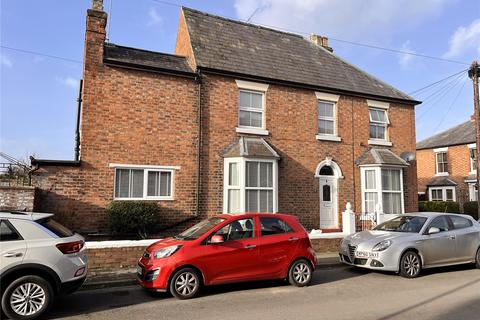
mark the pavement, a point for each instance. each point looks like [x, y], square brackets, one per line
[125, 277]
[336, 292]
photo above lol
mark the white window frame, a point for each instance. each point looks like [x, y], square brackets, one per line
[437, 152]
[242, 163]
[444, 193]
[472, 193]
[252, 87]
[473, 166]
[381, 106]
[378, 186]
[332, 99]
[146, 169]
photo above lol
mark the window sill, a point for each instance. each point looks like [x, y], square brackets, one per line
[441, 174]
[328, 137]
[380, 142]
[144, 199]
[259, 132]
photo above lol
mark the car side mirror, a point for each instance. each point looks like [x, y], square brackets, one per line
[216, 239]
[433, 230]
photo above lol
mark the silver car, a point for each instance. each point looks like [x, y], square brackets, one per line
[415, 241]
[39, 258]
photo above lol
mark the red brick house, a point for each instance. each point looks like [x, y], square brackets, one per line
[447, 165]
[240, 118]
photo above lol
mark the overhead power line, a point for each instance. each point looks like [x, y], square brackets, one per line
[40, 54]
[450, 107]
[436, 82]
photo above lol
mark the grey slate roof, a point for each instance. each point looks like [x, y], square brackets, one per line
[380, 157]
[462, 134]
[249, 147]
[441, 182]
[236, 47]
[115, 54]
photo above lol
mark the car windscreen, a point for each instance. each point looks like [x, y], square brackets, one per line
[199, 229]
[403, 224]
[56, 228]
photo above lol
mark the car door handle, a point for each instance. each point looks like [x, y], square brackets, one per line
[13, 254]
[250, 246]
[451, 237]
[293, 239]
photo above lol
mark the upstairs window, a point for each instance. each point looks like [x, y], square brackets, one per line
[326, 118]
[378, 124]
[473, 160]
[442, 162]
[251, 109]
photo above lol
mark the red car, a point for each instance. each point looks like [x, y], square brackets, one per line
[229, 248]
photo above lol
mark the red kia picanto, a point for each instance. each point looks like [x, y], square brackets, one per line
[229, 248]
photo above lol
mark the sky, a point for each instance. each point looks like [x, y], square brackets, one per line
[38, 93]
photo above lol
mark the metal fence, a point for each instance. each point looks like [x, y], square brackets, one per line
[14, 175]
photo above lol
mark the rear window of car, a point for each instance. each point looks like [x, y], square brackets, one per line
[271, 226]
[460, 222]
[56, 228]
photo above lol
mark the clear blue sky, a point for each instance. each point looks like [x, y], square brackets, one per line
[38, 94]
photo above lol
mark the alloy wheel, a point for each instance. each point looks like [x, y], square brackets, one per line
[27, 299]
[301, 273]
[186, 283]
[411, 264]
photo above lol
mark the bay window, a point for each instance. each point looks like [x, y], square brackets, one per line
[441, 194]
[382, 189]
[250, 185]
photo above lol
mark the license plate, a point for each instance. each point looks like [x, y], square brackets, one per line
[139, 270]
[366, 254]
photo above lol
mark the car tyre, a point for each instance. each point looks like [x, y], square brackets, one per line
[300, 273]
[477, 259]
[185, 283]
[27, 298]
[410, 265]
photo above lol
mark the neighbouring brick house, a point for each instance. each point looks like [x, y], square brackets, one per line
[241, 118]
[447, 165]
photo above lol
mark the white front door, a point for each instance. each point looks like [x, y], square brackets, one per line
[328, 203]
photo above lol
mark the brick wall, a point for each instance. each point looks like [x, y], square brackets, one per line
[458, 169]
[17, 198]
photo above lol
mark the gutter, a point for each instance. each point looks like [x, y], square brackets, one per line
[139, 67]
[307, 86]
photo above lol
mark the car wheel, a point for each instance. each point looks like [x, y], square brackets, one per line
[27, 297]
[185, 283]
[477, 259]
[300, 273]
[410, 265]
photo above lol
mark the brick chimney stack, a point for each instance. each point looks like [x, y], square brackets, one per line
[320, 41]
[95, 36]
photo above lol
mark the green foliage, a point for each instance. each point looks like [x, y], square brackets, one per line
[127, 217]
[439, 206]
[471, 208]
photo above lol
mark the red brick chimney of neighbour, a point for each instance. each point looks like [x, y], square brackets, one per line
[320, 41]
[95, 36]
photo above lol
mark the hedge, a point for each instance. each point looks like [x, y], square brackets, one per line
[439, 206]
[471, 208]
[133, 217]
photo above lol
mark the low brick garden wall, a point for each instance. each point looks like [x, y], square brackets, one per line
[17, 198]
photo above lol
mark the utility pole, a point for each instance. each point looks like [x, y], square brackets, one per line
[474, 73]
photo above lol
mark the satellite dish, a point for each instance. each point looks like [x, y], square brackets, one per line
[407, 156]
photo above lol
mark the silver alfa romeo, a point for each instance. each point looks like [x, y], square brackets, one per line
[415, 241]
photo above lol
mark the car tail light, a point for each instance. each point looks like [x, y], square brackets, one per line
[70, 247]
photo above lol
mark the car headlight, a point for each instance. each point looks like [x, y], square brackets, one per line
[166, 252]
[384, 245]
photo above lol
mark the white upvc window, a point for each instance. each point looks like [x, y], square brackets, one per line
[378, 124]
[472, 191]
[441, 161]
[250, 185]
[149, 183]
[472, 148]
[327, 116]
[441, 194]
[251, 107]
[382, 189]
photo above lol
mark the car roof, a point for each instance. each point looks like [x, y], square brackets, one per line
[22, 215]
[437, 214]
[253, 214]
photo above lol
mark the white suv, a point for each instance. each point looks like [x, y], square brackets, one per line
[39, 258]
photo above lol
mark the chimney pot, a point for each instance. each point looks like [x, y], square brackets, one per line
[97, 5]
[320, 41]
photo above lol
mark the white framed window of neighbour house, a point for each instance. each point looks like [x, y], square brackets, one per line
[442, 194]
[441, 161]
[139, 183]
[472, 149]
[250, 185]
[251, 107]
[382, 188]
[472, 191]
[379, 122]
